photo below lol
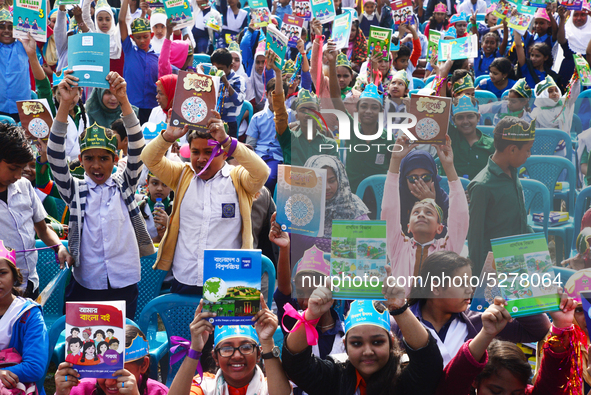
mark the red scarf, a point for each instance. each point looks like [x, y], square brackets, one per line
[169, 84]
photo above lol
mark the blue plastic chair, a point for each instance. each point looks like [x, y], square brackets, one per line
[444, 183]
[547, 169]
[150, 284]
[34, 95]
[376, 183]
[176, 312]
[480, 17]
[201, 58]
[564, 274]
[7, 119]
[489, 130]
[429, 79]
[268, 267]
[547, 140]
[422, 27]
[577, 126]
[537, 199]
[47, 269]
[413, 91]
[246, 106]
[505, 94]
[581, 205]
[485, 97]
[61, 208]
[480, 78]
[584, 95]
[418, 83]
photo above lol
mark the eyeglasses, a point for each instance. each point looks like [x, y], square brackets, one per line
[228, 351]
[425, 177]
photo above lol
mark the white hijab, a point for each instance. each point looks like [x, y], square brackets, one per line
[578, 37]
[258, 83]
[242, 72]
[550, 114]
[114, 34]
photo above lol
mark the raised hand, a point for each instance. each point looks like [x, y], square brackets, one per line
[266, 322]
[68, 88]
[563, 318]
[117, 86]
[30, 45]
[201, 328]
[65, 378]
[276, 235]
[495, 317]
[216, 127]
[331, 52]
[402, 148]
[319, 303]
[126, 382]
[394, 295]
[270, 61]
[445, 153]
[316, 27]
[172, 133]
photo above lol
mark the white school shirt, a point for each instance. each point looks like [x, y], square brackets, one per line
[209, 219]
[17, 226]
[109, 253]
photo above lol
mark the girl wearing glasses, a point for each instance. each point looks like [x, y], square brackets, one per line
[426, 217]
[237, 353]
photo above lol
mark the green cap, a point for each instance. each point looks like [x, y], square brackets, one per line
[96, 137]
[517, 133]
[140, 25]
[522, 88]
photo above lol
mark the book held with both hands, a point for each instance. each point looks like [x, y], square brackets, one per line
[194, 101]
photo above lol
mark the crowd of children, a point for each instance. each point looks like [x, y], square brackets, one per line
[130, 193]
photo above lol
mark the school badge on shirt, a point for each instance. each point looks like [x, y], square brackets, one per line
[380, 159]
[228, 210]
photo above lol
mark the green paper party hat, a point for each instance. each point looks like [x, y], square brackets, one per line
[234, 47]
[463, 83]
[518, 133]
[343, 61]
[96, 137]
[102, 4]
[306, 97]
[522, 88]
[542, 86]
[5, 15]
[403, 76]
[140, 25]
[289, 67]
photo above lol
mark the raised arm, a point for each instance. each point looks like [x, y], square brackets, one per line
[122, 20]
[31, 48]
[86, 17]
[561, 35]
[503, 47]
[333, 81]
[281, 239]
[164, 65]
[278, 95]
[60, 32]
[519, 50]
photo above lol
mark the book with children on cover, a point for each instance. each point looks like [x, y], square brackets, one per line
[323, 10]
[379, 41]
[95, 341]
[302, 9]
[36, 117]
[277, 42]
[341, 30]
[30, 16]
[292, 28]
[260, 13]
[583, 70]
[402, 11]
[194, 100]
[179, 12]
[433, 115]
[358, 253]
[458, 48]
[301, 200]
[232, 285]
[524, 274]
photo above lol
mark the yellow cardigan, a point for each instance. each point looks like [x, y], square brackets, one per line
[248, 179]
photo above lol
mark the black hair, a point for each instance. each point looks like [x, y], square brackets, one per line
[504, 66]
[403, 51]
[545, 50]
[506, 123]
[85, 347]
[458, 75]
[98, 332]
[118, 127]
[98, 348]
[195, 134]
[74, 329]
[493, 35]
[17, 278]
[271, 85]
[384, 381]
[441, 264]
[505, 355]
[221, 56]
[75, 340]
[112, 341]
[14, 147]
[433, 23]
[111, 330]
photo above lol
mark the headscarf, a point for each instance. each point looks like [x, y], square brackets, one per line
[179, 50]
[169, 84]
[358, 51]
[258, 82]
[98, 112]
[344, 204]
[114, 34]
[578, 37]
[419, 159]
[551, 114]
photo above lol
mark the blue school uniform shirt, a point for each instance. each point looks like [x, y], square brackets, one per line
[482, 62]
[15, 84]
[487, 85]
[141, 73]
[529, 39]
[282, 11]
[529, 78]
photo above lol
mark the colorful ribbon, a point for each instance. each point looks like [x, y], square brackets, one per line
[55, 249]
[310, 326]
[319, 61]
[184, 345]
[218, 150]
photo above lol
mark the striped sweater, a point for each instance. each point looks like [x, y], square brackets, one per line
[126, 181]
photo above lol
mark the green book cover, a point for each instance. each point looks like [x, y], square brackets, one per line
[379, 41]
[583, 70]
[434, 37]
[524, 274]
[358, 259]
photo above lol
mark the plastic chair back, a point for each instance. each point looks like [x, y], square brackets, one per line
[480, 17]
[150, 284]
[201, 58]
[584, 95]
[581, 206]
[537, 199]
[34, 95]
[489, 130]
[418, 83]
[376, 183]
[505, 94]
[485, 97]
[246, 106]
[547, 140]
[564, 274]
[413, 91]
[61, 208]
[547, 169]
[422, 27]
[577, 125]
[429, 79]
[480, 79]
[269, 268]
[7, 119]
[176, 312]
[47, 269]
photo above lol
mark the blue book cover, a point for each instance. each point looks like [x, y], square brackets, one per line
[301, 200]
[88, 57]
[323, 10]
[341, 30]
[277, 42]
[458, 48]
[232, 285]
[30, 16]
[180, 13]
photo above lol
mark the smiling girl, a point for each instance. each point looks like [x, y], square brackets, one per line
[539, 64]
[500, 72]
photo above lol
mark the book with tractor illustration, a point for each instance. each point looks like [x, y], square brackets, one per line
[232, 285]
[358, 258]
[525, 275]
